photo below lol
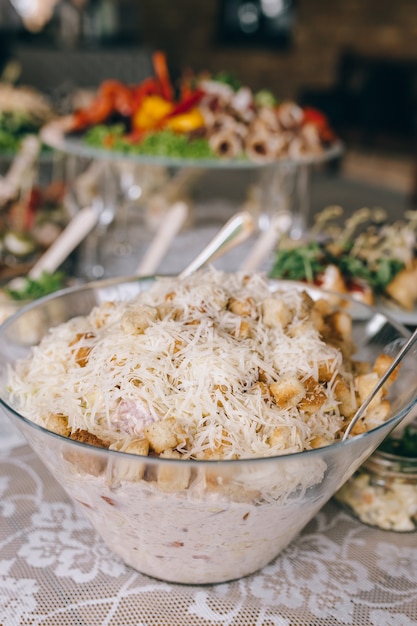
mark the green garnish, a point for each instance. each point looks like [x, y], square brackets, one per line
[97, 136]
[169, 144]
[265, 98]
[228, 79]
[406, 445]
[14, 126]
[378, 275]
[36, 288]
[375, 255]
[163, 143]
[303, 262]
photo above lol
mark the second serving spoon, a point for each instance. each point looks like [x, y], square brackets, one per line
[236, 230]
[401, 354]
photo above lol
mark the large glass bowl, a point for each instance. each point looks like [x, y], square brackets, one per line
[197, 522]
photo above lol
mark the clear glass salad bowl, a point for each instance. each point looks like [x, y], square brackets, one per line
[197, 522]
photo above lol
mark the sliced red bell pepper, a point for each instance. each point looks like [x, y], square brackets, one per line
[79, 120]
[315, 116]
[33, 203]
[148, 87]
[188, 84]
[319, 119]
[162, 75]
[97, 113]
[186, 104]
[119, 94]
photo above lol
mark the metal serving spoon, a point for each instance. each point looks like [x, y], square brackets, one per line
[236, 230]
[268, 240]
[406, 348]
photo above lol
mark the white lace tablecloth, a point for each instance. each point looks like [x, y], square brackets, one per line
[55, 570]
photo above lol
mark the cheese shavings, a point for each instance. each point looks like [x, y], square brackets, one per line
[213, 366]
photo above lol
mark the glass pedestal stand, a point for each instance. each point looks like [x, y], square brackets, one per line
[134, 192]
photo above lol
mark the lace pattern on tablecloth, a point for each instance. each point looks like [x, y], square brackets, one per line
[54, 569]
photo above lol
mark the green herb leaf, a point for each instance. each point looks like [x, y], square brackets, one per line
[299, 263]
[406, 445]
[265, 98]
[36, 288]
[228, 79]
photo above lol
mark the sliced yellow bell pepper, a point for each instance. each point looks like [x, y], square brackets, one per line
[185, 122]
[151, 111]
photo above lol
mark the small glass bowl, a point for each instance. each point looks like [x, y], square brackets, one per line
[383, 491]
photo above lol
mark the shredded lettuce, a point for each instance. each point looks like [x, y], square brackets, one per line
[163, 143]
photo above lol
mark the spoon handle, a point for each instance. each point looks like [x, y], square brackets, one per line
[72, 235]
[236, 230]
[401, 354]
[169, 227]
[280, 224]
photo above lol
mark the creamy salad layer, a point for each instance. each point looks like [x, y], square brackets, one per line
[198, 536]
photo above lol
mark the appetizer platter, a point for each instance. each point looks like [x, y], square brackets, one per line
[33, 216]
[32, 211]
[202, 119]
[365, 256]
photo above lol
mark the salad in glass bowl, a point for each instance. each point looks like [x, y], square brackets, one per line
[198, 421]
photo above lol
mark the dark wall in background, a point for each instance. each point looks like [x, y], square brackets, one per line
[374, 93]
[187, 31]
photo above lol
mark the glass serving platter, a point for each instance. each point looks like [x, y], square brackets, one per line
[54, 135]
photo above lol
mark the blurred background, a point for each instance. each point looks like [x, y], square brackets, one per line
[357, 61]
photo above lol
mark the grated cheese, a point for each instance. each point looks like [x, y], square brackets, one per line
[179, 351]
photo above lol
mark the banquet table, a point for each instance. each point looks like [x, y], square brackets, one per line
[55, 570]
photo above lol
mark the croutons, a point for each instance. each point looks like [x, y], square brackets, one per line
[162, 435]
[287, 391]
[58, 424]
[241, 307]
[345, 396]
[403, 288]
[172, 478]
[314, 398]
[275, 312]
[382, 363]
[87, 461]
[133, 470]
[365, 383]
[82, 353]
[137, 319]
